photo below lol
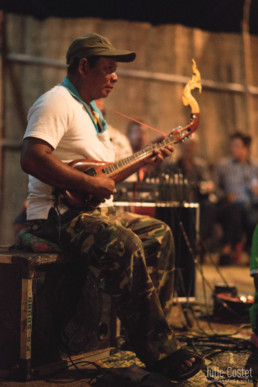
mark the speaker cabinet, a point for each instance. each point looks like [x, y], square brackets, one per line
[184, 223]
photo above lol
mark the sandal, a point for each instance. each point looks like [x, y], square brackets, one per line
[171, 366]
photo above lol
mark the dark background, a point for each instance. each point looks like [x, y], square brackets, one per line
[215, 15]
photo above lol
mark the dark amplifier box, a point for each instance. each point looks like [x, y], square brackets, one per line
[183, 219]
[50, 311]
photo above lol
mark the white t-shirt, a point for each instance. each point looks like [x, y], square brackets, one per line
[63, 122]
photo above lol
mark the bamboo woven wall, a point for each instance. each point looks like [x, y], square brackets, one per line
[166, 49]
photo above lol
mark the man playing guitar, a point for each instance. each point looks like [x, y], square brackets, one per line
[64, 124]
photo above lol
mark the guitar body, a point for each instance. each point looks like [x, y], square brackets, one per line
[81, 200]
[78, 199]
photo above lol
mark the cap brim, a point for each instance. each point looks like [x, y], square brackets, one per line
[120, 55]
[126, 57]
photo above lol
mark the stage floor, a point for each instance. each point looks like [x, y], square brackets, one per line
[195, 325]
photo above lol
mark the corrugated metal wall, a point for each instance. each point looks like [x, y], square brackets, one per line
[149, 89]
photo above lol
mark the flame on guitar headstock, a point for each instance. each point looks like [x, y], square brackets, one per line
[193, 83]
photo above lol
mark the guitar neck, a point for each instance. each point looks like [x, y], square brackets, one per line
[127, 163]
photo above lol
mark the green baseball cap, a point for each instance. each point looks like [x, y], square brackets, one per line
[96, 45]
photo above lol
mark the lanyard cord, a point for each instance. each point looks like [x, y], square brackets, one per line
[138, 122]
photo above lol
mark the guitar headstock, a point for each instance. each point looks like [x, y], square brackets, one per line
[180, 134]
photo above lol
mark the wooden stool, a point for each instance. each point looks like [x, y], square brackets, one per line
[38, 323]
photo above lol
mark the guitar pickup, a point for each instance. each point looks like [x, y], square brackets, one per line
[90, 172]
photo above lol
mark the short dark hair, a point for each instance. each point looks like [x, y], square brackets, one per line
[75, 63]
[247, 140]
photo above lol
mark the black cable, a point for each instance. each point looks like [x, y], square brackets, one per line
[195, 261]
[204, 280]
[215, 345]
[199, 267]
[213, 263]
[85, 373]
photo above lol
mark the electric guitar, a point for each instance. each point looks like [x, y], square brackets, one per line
[121, 169]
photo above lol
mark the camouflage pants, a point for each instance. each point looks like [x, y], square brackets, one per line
[133, 258]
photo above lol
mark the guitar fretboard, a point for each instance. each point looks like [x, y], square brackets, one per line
[174, 137]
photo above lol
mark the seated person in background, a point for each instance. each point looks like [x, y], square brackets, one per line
[236, 178]
[195, 169]
[121, 143]
[137, 136]
[200, 185]
[116, 246]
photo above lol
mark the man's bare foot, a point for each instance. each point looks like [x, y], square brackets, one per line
[179, 365]
[188, 363]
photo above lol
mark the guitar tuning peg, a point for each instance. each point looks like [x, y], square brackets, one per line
[174, 130]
